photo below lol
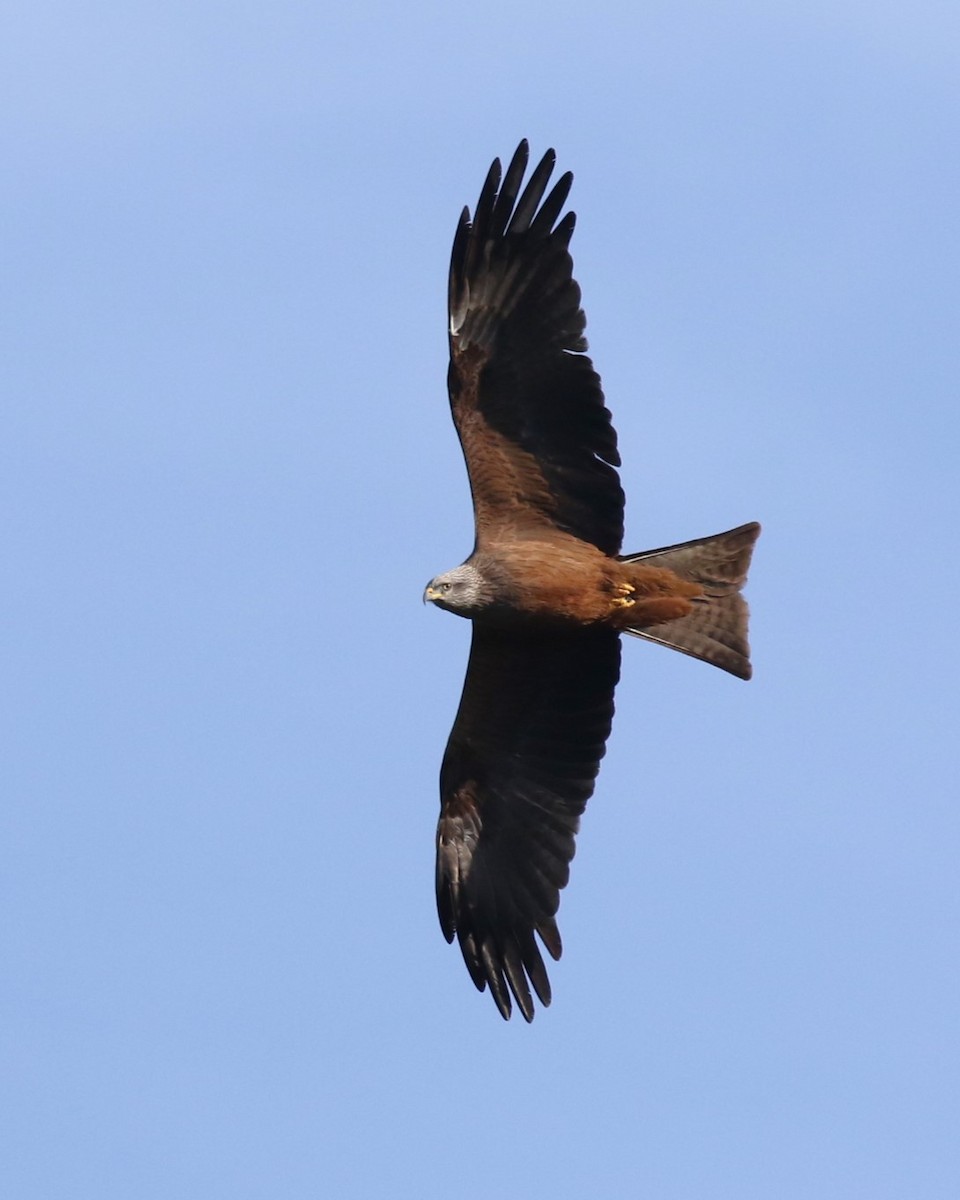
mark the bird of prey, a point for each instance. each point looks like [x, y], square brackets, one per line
[546, 587]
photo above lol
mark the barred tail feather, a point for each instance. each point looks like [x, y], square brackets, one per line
[716, 630]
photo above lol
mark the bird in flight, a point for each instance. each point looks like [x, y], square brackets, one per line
[546, 587]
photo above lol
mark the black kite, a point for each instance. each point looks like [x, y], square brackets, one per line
[546, 587]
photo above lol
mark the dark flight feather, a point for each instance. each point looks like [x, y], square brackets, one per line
[526, 400]
[519, 768]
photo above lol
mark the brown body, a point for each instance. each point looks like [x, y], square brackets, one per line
[572, 582]
[546, 587]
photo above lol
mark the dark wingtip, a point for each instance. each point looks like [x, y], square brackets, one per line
[550, 936]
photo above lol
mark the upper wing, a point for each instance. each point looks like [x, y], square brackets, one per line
[538, 441]
[518, 770]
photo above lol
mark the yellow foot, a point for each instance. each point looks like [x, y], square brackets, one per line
[623, 595]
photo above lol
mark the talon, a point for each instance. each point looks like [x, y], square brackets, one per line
[623, 602]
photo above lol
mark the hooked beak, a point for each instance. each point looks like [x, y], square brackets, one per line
[430, 593]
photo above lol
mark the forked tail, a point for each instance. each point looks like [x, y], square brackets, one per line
[716, 630]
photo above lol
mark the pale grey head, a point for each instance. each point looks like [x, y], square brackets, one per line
[463, 591]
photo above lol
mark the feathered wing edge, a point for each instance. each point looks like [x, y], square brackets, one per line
[476, 290]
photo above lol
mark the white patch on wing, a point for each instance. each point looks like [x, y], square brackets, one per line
[459, 314]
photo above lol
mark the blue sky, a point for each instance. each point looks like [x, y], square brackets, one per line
[227, 472]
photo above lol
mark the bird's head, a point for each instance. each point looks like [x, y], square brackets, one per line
[461, 591]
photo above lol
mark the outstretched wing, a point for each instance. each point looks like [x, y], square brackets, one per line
[518, 770]
[538, 441]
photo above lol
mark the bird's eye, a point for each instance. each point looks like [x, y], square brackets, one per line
[445, 587]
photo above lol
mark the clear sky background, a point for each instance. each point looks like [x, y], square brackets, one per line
[227, 472]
